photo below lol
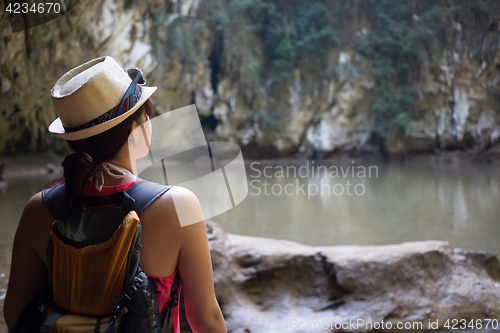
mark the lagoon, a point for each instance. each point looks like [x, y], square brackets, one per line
[315, 205]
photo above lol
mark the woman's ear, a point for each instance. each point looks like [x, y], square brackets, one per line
[134, 125]
[138, 140]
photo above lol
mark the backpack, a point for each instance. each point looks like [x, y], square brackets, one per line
[95, 280]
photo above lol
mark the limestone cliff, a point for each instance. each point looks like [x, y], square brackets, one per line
[320, 91]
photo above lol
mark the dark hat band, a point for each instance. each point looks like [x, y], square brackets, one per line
[127, 104]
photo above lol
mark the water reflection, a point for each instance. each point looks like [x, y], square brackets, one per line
[404, 203]
[460, 214]
[12, 200]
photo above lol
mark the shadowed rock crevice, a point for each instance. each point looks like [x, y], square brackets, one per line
[310, 280]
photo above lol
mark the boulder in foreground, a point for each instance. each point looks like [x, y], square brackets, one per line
[267, 285]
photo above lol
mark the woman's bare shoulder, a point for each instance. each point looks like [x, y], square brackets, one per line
[36, 201]
[35, 211]
[34, 226]
[177, 207]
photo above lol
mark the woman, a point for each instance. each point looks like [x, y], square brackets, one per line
[99, 105]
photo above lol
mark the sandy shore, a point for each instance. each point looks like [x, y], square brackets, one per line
[46, 164]
[26, 165]
[453, 157]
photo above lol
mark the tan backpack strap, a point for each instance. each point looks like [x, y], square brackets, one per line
[50, 320]
[98, 325]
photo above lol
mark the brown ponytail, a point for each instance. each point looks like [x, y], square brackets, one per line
[77, 168]
[101, 147]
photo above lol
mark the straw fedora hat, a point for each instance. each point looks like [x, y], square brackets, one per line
[90, 99]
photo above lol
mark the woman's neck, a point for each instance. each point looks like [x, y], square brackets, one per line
[125, 165]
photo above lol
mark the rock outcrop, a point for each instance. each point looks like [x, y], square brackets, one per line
[267, 285]
[456, 85]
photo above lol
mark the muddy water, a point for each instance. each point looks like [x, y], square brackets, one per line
[395, 203]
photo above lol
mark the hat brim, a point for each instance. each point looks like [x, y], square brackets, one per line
[57, 128]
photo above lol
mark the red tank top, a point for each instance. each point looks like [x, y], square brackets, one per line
[161, 285]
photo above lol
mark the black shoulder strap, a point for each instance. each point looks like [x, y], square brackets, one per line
[121, 199]
[57, 202]
[145, 192]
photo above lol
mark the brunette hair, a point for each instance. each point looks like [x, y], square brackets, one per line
[101, 147]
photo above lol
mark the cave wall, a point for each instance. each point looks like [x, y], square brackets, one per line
[456, 84]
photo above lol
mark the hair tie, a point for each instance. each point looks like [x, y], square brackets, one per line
[87, 156]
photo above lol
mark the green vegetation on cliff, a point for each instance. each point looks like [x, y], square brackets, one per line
[259, 43]
[392, 46]
[396, 44]
[290, 34]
